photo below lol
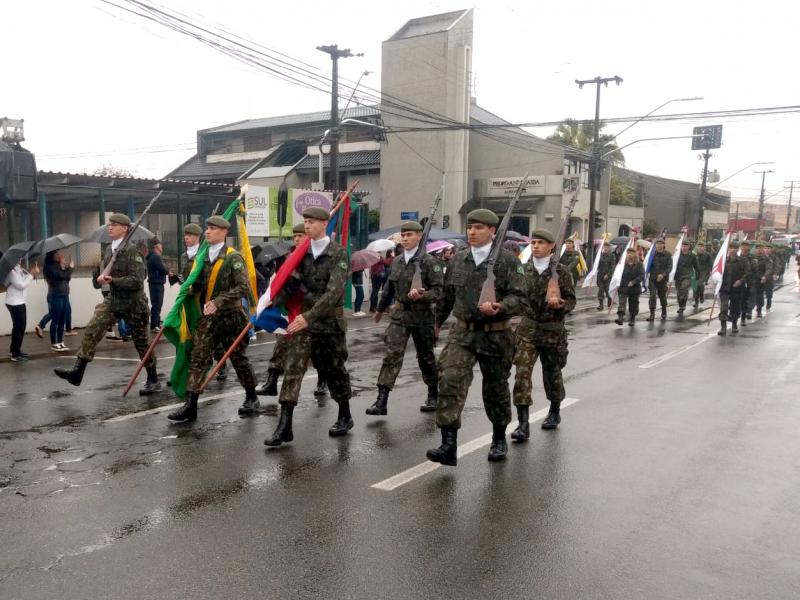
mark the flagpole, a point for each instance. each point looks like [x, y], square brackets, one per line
[145, 358]
[713, 304]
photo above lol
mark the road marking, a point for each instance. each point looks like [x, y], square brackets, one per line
[421, 469]
[120, 358]
[676, 352]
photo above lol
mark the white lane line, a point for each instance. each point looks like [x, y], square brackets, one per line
[676, 352]
[421, 469]
[120, 358]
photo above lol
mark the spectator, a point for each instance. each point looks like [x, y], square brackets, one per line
[16, 282]
[156, 279]
[358, 286]
[377, 276]
[57, 273]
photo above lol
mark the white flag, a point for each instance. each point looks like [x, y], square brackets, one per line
[616, 278]
[591, 278]
[676, 254]
[718, 270]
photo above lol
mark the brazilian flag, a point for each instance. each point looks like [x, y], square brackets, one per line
[181, 322]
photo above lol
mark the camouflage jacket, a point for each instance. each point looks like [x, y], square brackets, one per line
[127, 280]
[687, 266]
[570, 260]
[764, 267]
[632, 274]
[752, 268]
[736, 268]
[321, 282]
[543, 325]
[231, 286]
[406, 311]
[704, 264]
[662, 265]
[777, 263]
[606, 267]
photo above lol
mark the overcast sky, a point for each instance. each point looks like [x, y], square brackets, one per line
[96, 86]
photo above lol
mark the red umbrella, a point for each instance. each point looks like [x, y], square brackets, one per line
[363, 259]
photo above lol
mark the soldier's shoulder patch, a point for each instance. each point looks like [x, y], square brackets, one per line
[139, 258]
[343, 266]
[520, 269]
[238, 265]
[437, 269]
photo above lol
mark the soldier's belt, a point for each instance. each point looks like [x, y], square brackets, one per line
[416, 306]
[480, 326]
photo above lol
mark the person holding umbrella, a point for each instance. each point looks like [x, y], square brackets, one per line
[57, 273]
[16, 282]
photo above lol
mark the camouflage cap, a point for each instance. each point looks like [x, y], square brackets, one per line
[484, 216]
[299, 228]
[217, 221]
[192, 229]
[543, 234]
[119, 219]
[410, 226]
[316, 212]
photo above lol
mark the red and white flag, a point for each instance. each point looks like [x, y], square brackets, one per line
[718, 270]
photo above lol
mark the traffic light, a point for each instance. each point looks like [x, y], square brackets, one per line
[598, 219]
[446, 222]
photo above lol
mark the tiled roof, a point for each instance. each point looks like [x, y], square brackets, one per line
[196, 168]
[299, 119]
[364, 159]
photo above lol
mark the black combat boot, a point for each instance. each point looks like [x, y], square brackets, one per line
[322, 387]
[379, 408]
[222, 374]
[663, 314]
[734, 328]
[152, 385]
[446, 453]
[270, 386]
[744, 320]
[250, 404]
[283, 432]
[652, 316]
[632, 321]
[723, 328]
[75, 374]
[523, 431]
[187, 412]
[680, 310]
[696, 303]
[618, 320]
[553, 417]
[344, 422]
[601, 305]
[499, 447]
[758, 314]
[432, 400]
[769, 304]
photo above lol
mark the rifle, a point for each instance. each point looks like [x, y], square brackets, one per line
[488, 291]
[416, 280]
[553, 289]
[127, 239]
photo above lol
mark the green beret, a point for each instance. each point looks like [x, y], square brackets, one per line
[192, 229]
[119, 219]
[734, 244]
[483, 215]
[316, 212]
[299, 228]
[703, 244]
[686, 242]
[218, 221]
[747, 243]
[411, 226]
[543, 234]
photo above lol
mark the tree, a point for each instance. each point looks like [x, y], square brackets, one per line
[112, 171]
[622, 193]
[581, 136]
[650, 228]
[374, 220]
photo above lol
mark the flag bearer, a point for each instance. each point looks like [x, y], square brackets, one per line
[686, 269]
[732, 290]
[605, 270]
[659, 278]
[630, 288]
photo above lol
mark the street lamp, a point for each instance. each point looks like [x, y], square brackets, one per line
[657, 108]
[674, 137]
[739, 171]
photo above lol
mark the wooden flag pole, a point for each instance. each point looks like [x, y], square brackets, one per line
[145, 358]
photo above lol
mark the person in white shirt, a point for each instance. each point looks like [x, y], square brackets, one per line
[16, 283]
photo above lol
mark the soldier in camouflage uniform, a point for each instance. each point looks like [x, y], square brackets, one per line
[764, 276]
[412, 316]
[541, 334]
[605, 270]
[686, 269]
[732, 289]
[630, 288]
[319, 329]
[126, 300]
[777, 261]
[220, 288]
[659, 279]
[571, 260]
[749, 293]
[480, 333]
[704, 264]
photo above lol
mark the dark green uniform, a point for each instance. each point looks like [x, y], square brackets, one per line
[704, 264]
[732, 290]
[777, 263]
[322, 281]
[478, 337]
[686, 269]
[605, 270]
[126, 300]
[541, 334]
[221, 328]
[410, 318]
[764, 278]
[662, 265]
[630, 288]
[571, 260]
[749, 295]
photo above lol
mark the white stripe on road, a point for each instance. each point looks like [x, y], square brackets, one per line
[676, 352]
[121, 359]
[424, 468]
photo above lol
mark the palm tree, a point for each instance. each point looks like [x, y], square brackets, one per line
[581, 135]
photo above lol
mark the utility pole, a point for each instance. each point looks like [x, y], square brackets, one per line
[594, 169]
[789, 209]
[333, 135]
[761, 200]
[702, 204]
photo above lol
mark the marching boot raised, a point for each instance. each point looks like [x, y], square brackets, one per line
[322, 387]
[432, 400]
[187, 412]
[344, 422]
[283, 432]
[379, 407]
[250, 404]
[445, 454]
[75, 374]
[618, 320]
[523, 431]
[499, 447]
[270, 386]
[553, 417]
[152, 385]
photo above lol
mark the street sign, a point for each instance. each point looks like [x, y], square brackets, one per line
[711, 137]
[409, 215]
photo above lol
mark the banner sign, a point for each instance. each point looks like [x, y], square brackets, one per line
[261, 203]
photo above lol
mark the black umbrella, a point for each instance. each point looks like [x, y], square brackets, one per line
[11, 258]
[100, 235]
[619, 240]
[517, 237]
[273, 251]
[56, 242]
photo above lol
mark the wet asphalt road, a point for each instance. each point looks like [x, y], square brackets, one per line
[670, 479]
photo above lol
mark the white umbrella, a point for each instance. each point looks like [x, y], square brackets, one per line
[380, 246]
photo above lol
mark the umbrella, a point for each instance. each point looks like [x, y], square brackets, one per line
[55, 242]
[435, 234]
[380, 246]
[619, 240]
[273, 251]
[11, 258]
[438, 245]
[458, 243]
[517, 237]
[644, 244]
[100, 235]
[363, 259]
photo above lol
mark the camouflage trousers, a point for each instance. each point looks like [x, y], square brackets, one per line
[730, 306]
[658, 290]
[631, 300]
[137, 319]
[554, 358]
[329, 352]
[761, 293]
[278, 359]
[455, 376]
[748, 299]
[219, 330]
[396, 339]
[602, 292]
[682, 287]
[700, 291]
